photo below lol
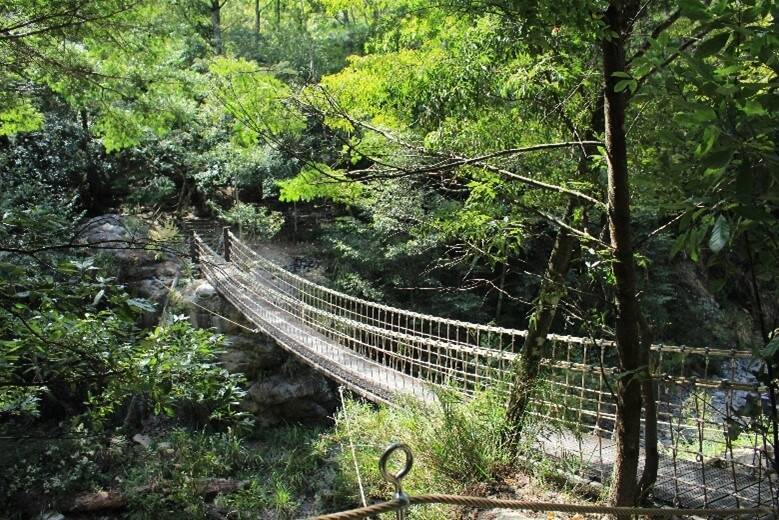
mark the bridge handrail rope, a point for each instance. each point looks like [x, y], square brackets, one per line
[714, 352]
[402, 501]
[428, 339]
[431, 340]
[407, 339]
[502, 355]
[215, 271]
[396, 310]
[462, 377]
[454, 374]
[437, 343]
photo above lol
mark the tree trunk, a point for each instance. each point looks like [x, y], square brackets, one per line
[624, 487]
[102, 501]
[501, 285]
[649, 395]
[277, 12]
[95, 199]
[216, 26]
[257, 22]
[527, 369]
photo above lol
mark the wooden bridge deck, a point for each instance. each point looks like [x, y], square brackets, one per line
[374, 381]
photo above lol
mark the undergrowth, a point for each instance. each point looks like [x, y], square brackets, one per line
[455, 443]
[285, 472]
[280, 471]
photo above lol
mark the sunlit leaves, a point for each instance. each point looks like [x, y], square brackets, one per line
[114, 58]
[382, 88]
[319, 181]
[21, 116]
[720, 234]
[255, 99]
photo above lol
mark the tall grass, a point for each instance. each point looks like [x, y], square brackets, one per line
[456, 443]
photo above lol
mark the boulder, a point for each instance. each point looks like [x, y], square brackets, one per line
[200, 300]
[278, 389]
[294, 392]
[250, 355]
[110, 234]
[146, 273]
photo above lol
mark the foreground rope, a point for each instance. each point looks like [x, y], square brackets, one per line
[402, 501]
[351, 446]
[479, 502]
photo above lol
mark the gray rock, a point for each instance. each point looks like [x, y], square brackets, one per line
[51, 515]
[200, 300]
[145, 273]
[250, 359]
[110, 234]
[204, 291]
[278, 389]
[104, 228]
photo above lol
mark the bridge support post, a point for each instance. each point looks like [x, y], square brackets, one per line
[226, 241]
[193, 249]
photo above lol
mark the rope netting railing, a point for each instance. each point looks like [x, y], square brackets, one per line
[705, 396]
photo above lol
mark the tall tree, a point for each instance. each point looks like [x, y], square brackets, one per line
[257, 12]
[619, 18]
[215, 10]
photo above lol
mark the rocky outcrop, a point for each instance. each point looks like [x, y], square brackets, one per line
[146, 269]
[280, 387]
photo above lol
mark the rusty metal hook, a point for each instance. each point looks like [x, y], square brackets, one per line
[396, 478]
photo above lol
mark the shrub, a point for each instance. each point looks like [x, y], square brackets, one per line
[254, 220]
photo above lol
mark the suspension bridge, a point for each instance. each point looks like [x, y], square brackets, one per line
[386, 354]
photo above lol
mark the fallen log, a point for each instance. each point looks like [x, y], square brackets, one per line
[108, 500]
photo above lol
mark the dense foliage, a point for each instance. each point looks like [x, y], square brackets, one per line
[589, 166]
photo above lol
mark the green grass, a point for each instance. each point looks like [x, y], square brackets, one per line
[455, 444]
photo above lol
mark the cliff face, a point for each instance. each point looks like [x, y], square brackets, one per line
[147, 268]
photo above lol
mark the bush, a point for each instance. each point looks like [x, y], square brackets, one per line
[156, 192]
[174, 371]
[255, 221]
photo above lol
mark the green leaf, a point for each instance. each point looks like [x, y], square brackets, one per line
[625, 83]
[703, 115]
[770, 349]
[693, 9]
[720, 234]
[141, 304]
[753, 108]
[23, 117]
[98, 297]
[717, 158]
[712, 45]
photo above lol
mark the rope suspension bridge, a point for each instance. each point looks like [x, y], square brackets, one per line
[386, 354]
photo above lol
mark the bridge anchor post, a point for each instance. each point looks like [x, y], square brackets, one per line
[193, 250]
[226, 241]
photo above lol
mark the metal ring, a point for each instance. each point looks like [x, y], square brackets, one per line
[389, 477]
